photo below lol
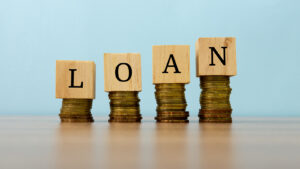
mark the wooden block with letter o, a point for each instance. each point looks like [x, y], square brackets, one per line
[171, 64]
[122, 72]
[75, 79]
[216, 56]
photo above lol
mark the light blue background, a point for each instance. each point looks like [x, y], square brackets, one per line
[35, 33]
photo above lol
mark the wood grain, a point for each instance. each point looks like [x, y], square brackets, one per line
[36, 142]
[111, 61]
[203, 56]
[160, 58]
[85, 72]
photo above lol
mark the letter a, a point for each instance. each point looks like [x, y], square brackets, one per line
[174, 65]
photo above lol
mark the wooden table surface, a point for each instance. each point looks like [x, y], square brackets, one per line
[35, 142]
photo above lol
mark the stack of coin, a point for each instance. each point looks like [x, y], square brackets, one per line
[214, 99]
[76, 110]
[124, 106]
[171, 103]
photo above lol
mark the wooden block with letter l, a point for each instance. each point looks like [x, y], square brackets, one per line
[215, 63]
[75, 79]
[123, 81]
[171, 64]
[75, 84]
[216, 56]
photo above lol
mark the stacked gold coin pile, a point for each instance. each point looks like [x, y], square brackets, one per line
[214, 99]
[171, 103]
[124, 106]
[76, 110]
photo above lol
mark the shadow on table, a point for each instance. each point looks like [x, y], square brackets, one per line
[74, 145]
[216, 145]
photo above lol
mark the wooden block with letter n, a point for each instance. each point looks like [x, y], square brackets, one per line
[171, 71]
[171, 64]
[215, 63]
[216, 56]
[75, 79]
[123, 81]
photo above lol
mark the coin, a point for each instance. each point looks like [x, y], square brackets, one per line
[172, 121]
[215, 99]
[171, 103]
[76, 110]
[124, 106]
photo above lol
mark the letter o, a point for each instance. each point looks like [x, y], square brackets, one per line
[117, 72]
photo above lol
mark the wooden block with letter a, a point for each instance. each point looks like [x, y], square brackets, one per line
[216, 56]
[171, 71]
[171, 64]
[75, 79]
[122, 72]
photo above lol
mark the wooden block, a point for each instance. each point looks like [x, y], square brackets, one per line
[122, 72]
[75, 79]
[216, 56]
[171, 64]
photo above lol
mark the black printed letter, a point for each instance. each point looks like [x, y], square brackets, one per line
[72, 80]
[117, 72]
[174, 65]
[213, 50]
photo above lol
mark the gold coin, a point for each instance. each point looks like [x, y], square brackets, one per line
[124, 106]
[171, 103]
[215, 99]
[76, 110]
